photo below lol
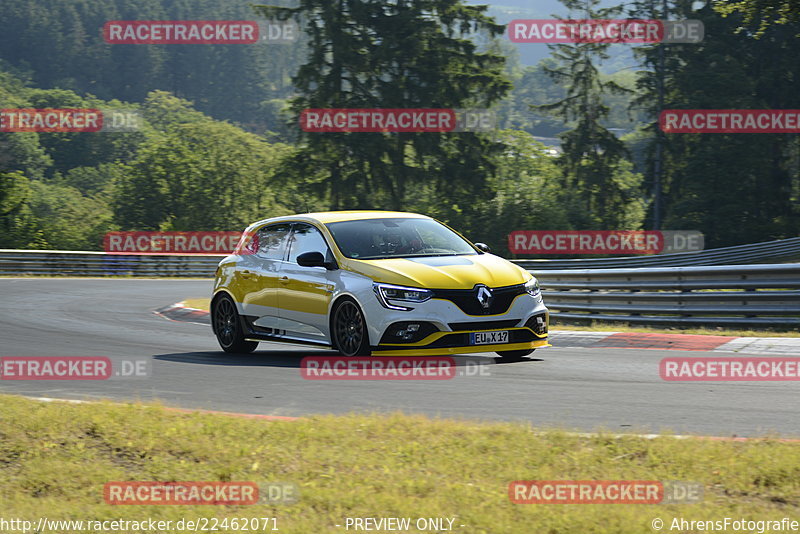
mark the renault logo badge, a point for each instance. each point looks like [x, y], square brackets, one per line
[485, 297]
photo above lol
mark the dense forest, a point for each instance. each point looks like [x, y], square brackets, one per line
[220, 146]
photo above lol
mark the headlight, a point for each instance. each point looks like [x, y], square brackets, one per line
[532, 287]
[387, 292]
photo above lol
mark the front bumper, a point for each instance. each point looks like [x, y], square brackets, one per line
[431, 349]
[453, 328]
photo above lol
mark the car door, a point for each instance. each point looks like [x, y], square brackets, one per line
[306, 292]
[260, 271]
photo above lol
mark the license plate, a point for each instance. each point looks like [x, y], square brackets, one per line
[488, 338]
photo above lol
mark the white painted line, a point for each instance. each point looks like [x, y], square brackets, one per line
[762, 345]
[71, 401]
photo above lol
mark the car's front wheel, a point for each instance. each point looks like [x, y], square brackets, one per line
[349, 329]
[514, 355]
[228, 327]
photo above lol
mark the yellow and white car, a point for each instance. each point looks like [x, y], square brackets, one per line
[374, 282]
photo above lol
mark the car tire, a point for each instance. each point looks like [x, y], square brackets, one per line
[514, 355]
[349, 329]
[228, 327]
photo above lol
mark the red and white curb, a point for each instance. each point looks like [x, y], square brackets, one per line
[597, 340]
[181, 313]
[683, 342]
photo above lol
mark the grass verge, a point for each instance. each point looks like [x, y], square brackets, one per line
[56, 457]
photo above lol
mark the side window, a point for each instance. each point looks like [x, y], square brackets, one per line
[272, 241]
[306, 238]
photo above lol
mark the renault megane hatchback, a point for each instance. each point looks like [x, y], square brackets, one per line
[373, 282]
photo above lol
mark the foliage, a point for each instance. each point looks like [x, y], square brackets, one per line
[759, 15]
[202, 175]
[604, 192]
[59, 43]
[369, 53]
[181, 170]
[736, 188]
[187, 168]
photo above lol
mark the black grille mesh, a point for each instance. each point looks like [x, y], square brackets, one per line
[467, 299]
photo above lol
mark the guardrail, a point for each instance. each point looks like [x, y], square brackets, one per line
[768, 252]
[54, 262]
[730, 295]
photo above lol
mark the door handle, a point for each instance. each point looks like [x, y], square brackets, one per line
[284, 279]
[245, 273]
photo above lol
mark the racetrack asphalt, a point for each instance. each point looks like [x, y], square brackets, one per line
[583, 389]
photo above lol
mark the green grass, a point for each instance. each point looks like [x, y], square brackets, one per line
[55, 458]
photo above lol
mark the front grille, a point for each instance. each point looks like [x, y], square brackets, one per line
[467, 299]
[483, 325]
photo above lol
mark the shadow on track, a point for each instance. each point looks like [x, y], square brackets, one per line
[292, 359]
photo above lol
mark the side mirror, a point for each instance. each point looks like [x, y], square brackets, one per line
[313, 259]
[483, 247]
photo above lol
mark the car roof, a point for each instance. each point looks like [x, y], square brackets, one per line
[325, 217]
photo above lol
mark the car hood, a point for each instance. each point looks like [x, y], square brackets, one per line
[442, 272]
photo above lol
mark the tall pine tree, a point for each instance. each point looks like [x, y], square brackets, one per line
[736, 188]
[396, 54]
[597, 175]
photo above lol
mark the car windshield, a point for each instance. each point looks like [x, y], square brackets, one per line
[372, 239]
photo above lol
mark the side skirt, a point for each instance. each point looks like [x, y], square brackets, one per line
[254, 333]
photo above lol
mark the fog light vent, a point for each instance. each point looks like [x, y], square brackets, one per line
[408, 332]
[538, 323]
